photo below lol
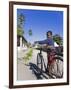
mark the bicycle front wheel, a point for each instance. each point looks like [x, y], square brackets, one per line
[39, 62]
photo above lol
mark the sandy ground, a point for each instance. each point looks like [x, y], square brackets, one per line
[24, 71]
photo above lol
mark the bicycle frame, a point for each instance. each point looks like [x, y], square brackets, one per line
[43, 62]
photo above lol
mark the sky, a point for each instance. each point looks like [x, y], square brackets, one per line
[41, 21]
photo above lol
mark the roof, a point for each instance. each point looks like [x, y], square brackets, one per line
[22, 38]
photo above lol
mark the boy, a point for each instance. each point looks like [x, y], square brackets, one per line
[49, 41]
[51, 53]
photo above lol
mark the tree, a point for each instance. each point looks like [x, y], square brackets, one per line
[20, 32]
[30, 32]
[20, 22]
[58, 39]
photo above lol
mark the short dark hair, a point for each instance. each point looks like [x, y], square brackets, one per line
[49, 32]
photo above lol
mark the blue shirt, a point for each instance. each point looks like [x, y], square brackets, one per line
[48, 41]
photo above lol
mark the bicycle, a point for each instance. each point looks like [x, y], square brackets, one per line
[41, 63]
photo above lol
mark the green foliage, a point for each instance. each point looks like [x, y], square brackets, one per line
[20, 22]
[30, 32]
[28, 55]
[58, 39]
[21, 19]
[20, 32]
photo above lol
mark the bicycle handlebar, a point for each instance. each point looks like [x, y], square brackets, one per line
[49, 50]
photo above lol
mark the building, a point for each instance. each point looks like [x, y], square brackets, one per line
[21, 43]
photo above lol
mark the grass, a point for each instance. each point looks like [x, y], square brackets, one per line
[28, 55]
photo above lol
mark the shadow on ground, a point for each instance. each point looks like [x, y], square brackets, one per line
[37, 71]
[41, 74]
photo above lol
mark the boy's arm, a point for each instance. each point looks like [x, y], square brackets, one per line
[41, 42]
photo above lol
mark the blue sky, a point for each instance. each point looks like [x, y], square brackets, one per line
[41, 21]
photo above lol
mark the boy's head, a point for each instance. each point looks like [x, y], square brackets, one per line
[49, 34]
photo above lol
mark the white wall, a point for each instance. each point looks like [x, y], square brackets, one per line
[4, 44]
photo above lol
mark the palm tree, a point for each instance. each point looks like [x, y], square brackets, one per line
[19, 31]
[30, 32]
[20, 22]
[58, 39]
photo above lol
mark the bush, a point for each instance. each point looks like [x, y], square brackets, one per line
[28, 55]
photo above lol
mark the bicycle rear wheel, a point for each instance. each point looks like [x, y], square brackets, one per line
[59, 67]
[56, 68]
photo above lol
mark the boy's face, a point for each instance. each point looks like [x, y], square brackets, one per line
[49, 35]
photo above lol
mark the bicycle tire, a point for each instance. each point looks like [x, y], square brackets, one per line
[39, 62]
[58, 73]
